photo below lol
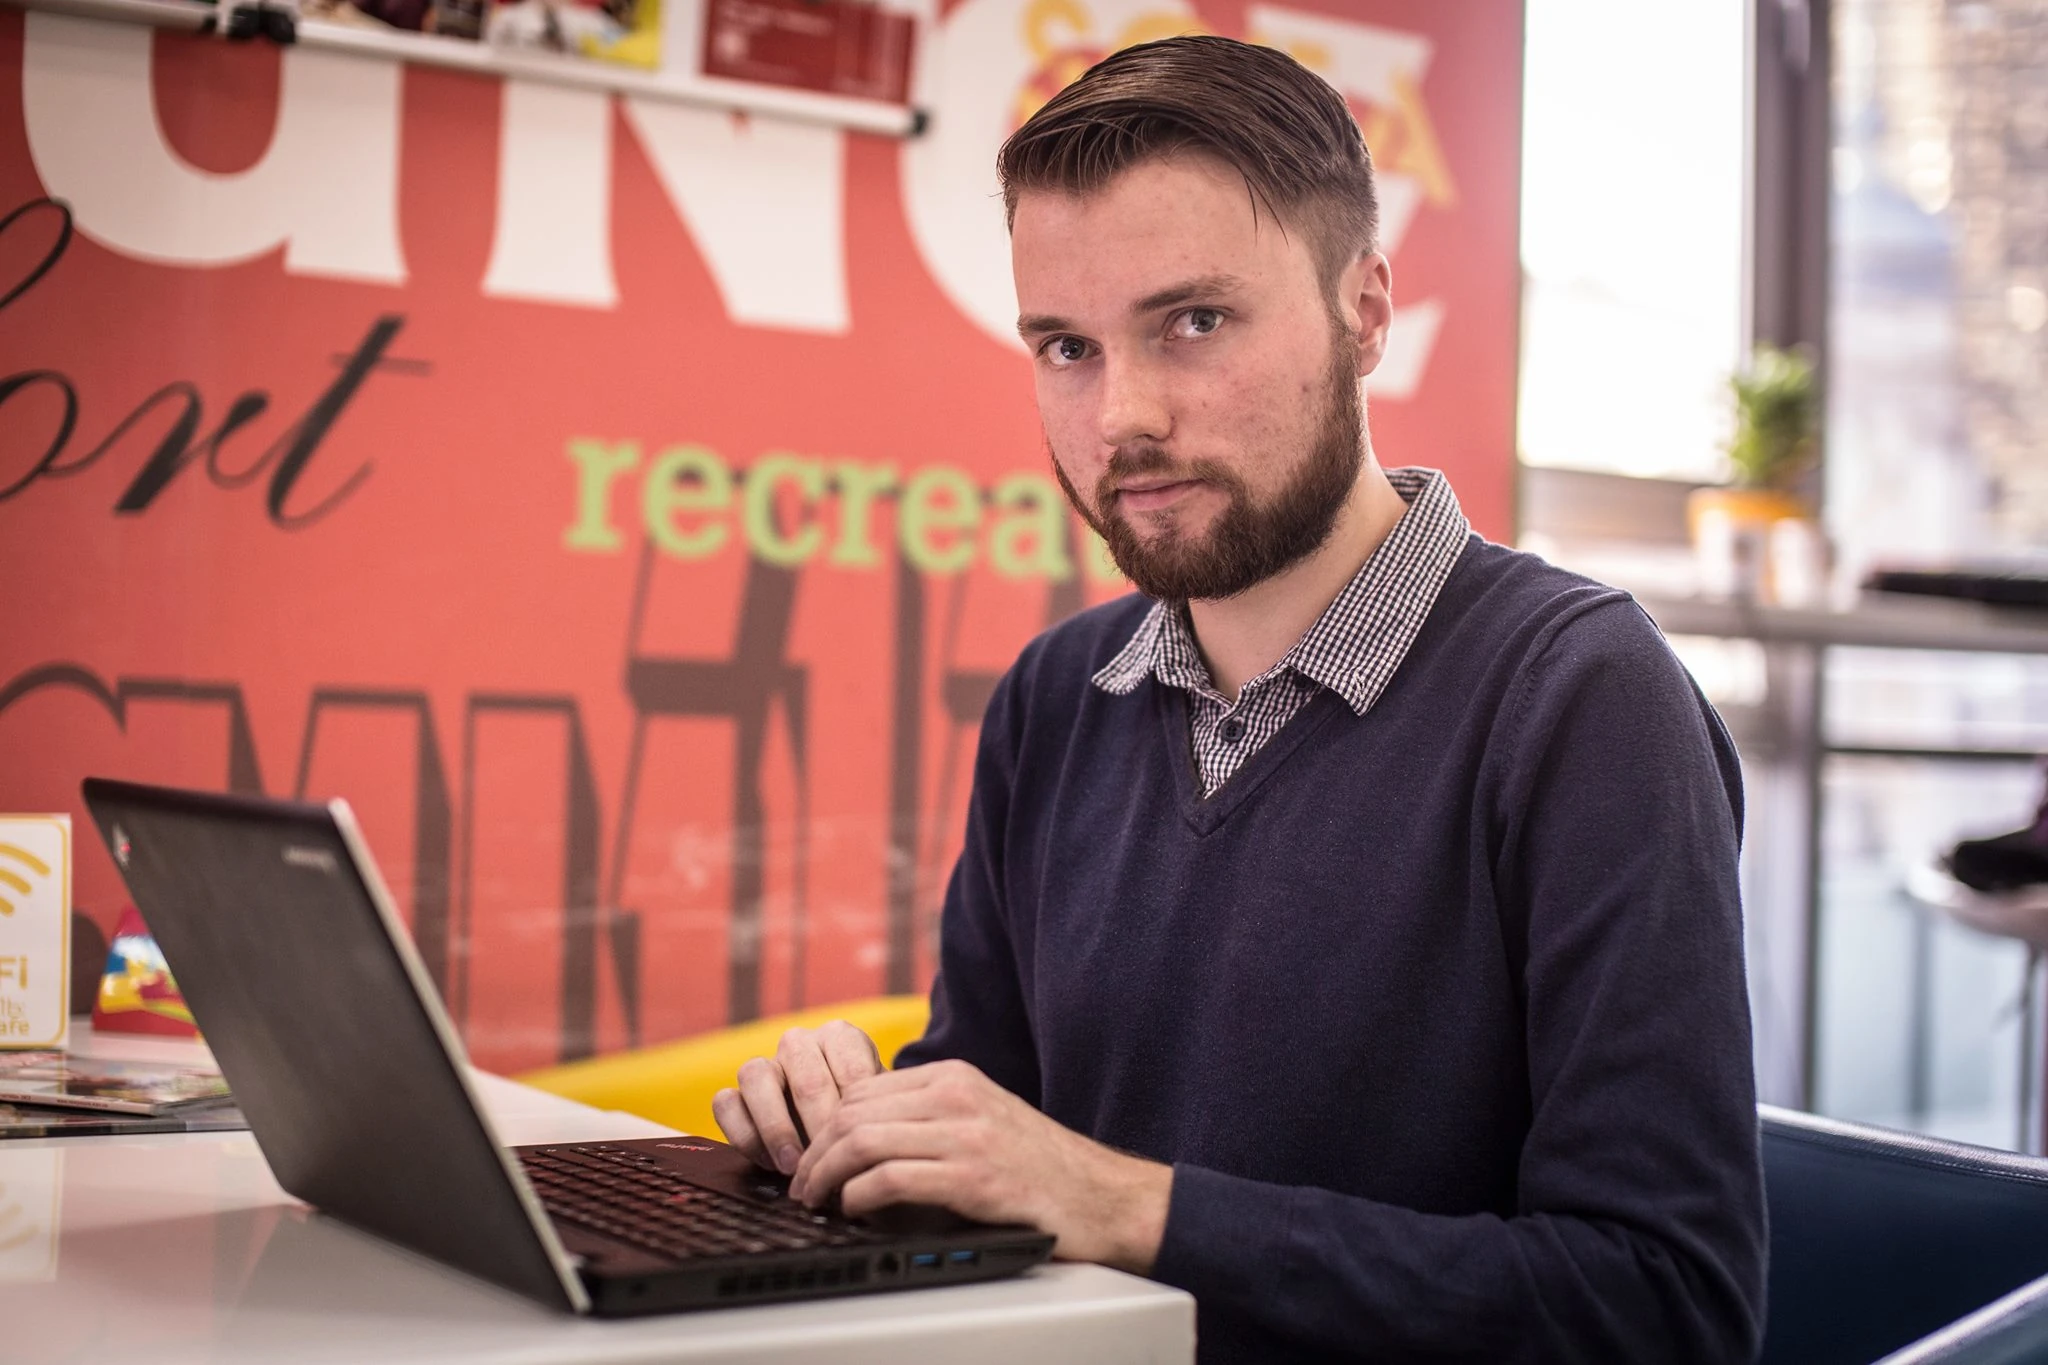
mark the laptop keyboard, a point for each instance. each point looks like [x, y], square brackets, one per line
[630, 1196]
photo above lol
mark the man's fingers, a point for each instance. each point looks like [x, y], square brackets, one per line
[783, 1101]
[813, 1088]
[889, 1103]
[761, 1083]
[850, 1053]
[901, 1182]
[961, 1080]
[828, 1165]
[731, 1112]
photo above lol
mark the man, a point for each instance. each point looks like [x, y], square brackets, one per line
[1348, 934]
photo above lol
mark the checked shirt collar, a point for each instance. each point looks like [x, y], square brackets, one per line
[1361, 638]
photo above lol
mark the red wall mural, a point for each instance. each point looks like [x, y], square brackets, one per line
[627, 506]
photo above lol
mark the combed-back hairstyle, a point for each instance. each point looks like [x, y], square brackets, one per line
[1265, 115]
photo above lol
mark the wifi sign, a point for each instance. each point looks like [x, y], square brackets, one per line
[12, 883]
[35, 930]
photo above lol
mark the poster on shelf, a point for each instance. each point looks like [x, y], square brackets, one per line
[622, 31]
[627, 506]
[458, 19]
[839, 47]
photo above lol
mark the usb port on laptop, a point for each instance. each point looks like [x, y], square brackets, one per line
[963, 1257]
[925, 1260]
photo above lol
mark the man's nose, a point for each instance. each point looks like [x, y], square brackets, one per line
[1134, 405]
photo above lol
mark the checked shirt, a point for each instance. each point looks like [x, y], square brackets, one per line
[1353, 649]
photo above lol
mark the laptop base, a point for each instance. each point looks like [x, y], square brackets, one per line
[614, 1231]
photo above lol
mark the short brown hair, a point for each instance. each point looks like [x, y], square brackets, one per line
[1265, 115]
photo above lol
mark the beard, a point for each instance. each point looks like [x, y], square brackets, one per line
[1249, 541]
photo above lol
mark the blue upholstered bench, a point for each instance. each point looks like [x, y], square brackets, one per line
[1888, 1246]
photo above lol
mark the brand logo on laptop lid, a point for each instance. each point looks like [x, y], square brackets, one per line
[319, 859]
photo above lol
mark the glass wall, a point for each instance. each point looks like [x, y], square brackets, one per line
[1937, 452]
[1635, 199]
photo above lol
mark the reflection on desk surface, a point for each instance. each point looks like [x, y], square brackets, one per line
[31, 1191]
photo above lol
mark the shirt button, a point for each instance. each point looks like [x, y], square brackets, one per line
[1232, 730]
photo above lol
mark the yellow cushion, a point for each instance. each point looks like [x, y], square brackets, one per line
[672, 1083]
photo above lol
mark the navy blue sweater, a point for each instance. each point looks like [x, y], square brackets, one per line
[1438, 1012]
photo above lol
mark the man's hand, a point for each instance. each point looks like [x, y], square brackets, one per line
[946, 1134]
[810, 1068]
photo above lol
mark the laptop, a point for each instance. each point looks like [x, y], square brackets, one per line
[285, 943]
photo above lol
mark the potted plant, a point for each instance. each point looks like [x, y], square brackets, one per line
[1748, 534]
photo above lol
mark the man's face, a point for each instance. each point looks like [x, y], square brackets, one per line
[1194, 377]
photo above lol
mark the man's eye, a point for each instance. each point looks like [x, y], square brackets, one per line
[1066, 350]
[1197, 322]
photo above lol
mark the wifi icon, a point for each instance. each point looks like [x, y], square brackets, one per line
[12, 881]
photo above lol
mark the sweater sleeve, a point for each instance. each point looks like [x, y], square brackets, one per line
[1611, 802]
[978, 1008]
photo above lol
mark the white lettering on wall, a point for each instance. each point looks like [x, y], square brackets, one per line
[765, 201]
[326, 188]
[553, 240]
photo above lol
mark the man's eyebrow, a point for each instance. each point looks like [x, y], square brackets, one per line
[1039, 324]
[1187, 291]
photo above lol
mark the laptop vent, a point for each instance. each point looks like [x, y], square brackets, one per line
[761, 1283]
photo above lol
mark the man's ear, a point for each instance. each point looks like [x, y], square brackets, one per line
[1365, 300]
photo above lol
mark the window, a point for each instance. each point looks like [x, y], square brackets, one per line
[1632, 230]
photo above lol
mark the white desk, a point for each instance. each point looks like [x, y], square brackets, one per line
[181, 1248]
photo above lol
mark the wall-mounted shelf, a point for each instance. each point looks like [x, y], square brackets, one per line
[868, 116]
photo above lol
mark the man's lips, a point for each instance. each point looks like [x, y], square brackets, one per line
[1149, 496]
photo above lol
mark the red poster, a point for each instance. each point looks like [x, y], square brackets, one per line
[842, 47]
[627, 506]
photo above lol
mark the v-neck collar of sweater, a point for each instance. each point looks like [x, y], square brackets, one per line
[1205, 815]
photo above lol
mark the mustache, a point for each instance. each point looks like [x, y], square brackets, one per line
[1138, 461]
[1129, 462]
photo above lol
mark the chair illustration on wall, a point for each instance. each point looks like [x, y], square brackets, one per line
[917, 841]
[745, 688]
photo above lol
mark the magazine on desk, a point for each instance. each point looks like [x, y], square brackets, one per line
[26, 1121]
[115, 1087]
